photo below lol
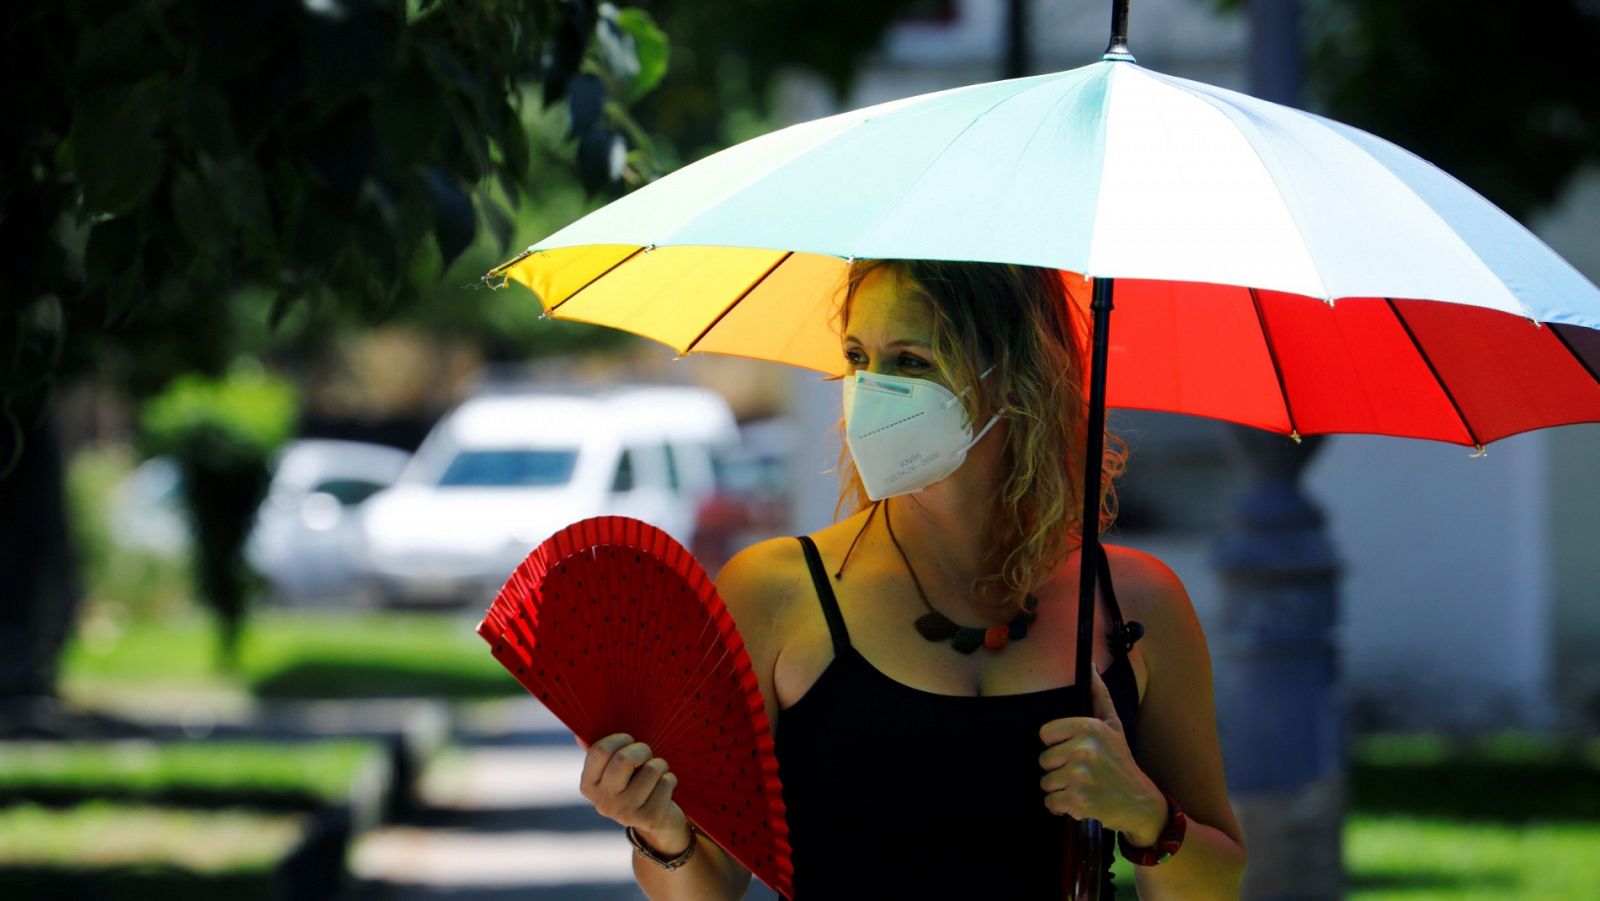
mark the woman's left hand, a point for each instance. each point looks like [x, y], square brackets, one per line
[1090, 773]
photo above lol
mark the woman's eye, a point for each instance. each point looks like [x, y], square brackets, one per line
[908, 361]
[855, 358]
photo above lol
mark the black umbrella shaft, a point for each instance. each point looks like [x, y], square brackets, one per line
[1118, 48]
[1093, 463]
[1084, 854]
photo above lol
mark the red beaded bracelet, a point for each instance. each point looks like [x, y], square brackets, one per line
[1167, 843]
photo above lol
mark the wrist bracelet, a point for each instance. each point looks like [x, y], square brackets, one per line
[650, 854]
[1167, 843]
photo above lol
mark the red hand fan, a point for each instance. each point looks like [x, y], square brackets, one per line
[615, 627]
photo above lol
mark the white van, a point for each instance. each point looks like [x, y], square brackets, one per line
[501, 473]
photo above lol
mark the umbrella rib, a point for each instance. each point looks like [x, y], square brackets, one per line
[1272, 353]
[585, 287]
[1573, 351]
[689, 348]
[1428, 361]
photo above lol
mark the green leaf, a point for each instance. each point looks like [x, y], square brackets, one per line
[113, 249]
[453, 219]
[514, 148]
[500, 223]
[410, 116]
[650, 42]
[199, 220]
[114, 152]
[241, 190]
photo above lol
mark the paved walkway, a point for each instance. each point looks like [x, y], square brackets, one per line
[502, 818]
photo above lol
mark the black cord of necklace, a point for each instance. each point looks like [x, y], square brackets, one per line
[839, 575]
[889, 524]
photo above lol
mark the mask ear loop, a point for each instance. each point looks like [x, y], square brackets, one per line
[983, 431]
[992, 419]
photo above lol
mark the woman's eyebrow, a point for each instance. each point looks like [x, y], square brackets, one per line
[898, 342]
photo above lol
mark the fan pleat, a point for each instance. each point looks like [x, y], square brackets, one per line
[615, 627]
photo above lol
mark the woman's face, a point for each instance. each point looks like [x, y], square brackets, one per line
[889, 330]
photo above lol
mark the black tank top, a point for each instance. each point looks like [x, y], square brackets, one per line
[895, 792]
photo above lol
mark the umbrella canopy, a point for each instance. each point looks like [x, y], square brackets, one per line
[1273, 268]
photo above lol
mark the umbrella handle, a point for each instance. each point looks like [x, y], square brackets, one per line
[1085, 856]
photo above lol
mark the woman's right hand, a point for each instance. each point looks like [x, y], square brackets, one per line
[627, 784]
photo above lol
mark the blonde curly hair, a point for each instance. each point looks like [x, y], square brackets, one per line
[1024, 321]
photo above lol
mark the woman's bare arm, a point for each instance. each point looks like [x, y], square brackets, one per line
[712, 874]
[1178, 747]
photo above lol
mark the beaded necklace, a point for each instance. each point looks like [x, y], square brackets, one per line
[935, 626]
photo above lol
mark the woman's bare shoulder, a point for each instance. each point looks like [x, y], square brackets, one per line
[1147, 588]
[759, 581]
[1149, 592]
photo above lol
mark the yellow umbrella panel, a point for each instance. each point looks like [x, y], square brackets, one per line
[738, 301]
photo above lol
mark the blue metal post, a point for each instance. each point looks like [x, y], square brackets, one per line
[1279, 705]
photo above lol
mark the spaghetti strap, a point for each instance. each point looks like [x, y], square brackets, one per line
[830, 604]
[1122, 635]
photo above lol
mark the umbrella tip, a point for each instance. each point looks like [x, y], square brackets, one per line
[1117, 50]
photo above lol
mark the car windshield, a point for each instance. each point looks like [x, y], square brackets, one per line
[510, 468]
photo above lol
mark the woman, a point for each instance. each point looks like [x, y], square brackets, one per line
[915, 764]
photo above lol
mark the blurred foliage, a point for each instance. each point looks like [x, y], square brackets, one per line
[716, 92]
[210, 773]
[1504, 96]
[222, 433]
[246, 412]
[1511, 90]
[166, 153]
[122, 581]
[184, 180]
[727, 57]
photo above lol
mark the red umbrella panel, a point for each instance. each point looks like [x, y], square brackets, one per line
[1369, 365]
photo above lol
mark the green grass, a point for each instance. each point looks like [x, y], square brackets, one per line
[105, 850]
[108, 835]
[295, 655]
[1506, 816]
[302, 774]
[1398, 858]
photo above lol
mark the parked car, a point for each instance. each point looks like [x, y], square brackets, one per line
[305, 541]
[753, 498]
[501, 473]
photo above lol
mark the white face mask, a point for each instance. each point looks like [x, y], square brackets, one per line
[903, 433]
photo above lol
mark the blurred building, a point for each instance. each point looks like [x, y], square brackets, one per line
[1471, 589]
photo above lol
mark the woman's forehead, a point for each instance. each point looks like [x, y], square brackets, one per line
[884, 305]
